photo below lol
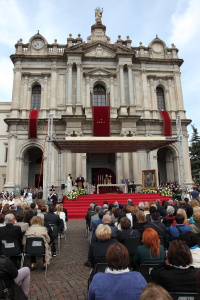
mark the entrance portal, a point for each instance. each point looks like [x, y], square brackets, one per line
[98, 161]
[32, 173]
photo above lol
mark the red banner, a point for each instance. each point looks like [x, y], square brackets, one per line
[167, 126]
[33, 122]
[101, 120]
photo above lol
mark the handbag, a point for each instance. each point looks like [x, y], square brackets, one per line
[13, 293]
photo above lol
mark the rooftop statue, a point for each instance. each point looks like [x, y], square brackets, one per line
[98, 15]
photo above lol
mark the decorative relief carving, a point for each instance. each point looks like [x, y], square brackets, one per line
[11, 135]
[54, 68]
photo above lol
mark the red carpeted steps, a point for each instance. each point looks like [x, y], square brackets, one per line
[77, 209]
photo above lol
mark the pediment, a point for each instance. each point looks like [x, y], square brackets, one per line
[99, 72]
[99, 50]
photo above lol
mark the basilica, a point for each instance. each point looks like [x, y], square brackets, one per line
[127, 97]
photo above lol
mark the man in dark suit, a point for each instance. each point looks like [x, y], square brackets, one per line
[11, 232]
[158, 226]
[52, 218]
[80, 180]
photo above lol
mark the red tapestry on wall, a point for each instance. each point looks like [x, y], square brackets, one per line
[33, 122]
[101, 120]
[167, 126]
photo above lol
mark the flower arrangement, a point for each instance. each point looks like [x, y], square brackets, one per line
[148, 191]
[166, 192]
[73, 195]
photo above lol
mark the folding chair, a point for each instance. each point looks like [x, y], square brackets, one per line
[183, 296]
[55, 234]
[100, 267]
[131, 243]
[35, 247]
[11, 247]
[145, 270]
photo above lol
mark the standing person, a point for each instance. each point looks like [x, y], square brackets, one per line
[80, 180]
[69, 183]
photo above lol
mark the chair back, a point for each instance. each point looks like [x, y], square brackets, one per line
[131, 243]
[55, 231]
[183, 296]
[100, 267]
[35, 246]
[145, 270]
[10, 247]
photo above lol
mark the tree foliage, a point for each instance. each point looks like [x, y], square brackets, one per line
[195, 153]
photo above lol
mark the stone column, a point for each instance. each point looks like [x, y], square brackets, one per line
[112, 96]
[135, 167]
[69, 90]
[25, 92]
[87, 81]
[44, 95]
[78, 87]
[178, 88]
[11, 168]
[16, 89]
[122, 92]
[53, 104]
[78, 164]
[69, 164]
[126, 172]
[84, 166]
[119, 173]
[130, 85]
[69, 98]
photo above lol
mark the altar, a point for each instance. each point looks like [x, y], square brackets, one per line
[111, 188]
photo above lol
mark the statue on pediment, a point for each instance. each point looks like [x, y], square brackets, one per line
[98, 15]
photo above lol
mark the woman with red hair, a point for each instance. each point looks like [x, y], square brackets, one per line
[151, 252]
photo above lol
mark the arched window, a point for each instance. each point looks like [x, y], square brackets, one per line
[36, 97]
[99, 93]
[160, 98]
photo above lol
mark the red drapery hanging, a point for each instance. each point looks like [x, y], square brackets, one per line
[101, 120]
[33, 122]
[167, 127]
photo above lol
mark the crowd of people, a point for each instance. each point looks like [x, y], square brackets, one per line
[19, 222]
[169, 239]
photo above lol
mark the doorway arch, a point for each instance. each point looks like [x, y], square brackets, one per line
[32, 169]
[167, 165]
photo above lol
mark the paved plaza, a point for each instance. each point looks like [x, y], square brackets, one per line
[66, 276]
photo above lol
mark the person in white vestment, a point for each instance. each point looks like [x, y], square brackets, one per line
[69, 183]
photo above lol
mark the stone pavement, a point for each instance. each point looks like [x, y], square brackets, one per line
[66, 275]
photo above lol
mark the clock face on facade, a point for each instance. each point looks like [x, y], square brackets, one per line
[38, 44]
[157, 47]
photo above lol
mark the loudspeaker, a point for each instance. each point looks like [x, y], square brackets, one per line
[62, 186]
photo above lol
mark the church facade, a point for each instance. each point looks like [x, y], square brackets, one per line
[67, 81]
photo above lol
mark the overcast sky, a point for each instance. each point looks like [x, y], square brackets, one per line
[174, 21]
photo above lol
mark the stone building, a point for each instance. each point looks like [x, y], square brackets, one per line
[67, 80]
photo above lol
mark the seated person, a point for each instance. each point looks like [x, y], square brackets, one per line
[176, 274]
[141, 221]
[169, 218]
[37, 229]
[126, 230]
[156, 292]
[151, 252]
[20, 222]
[158, 226]
[191, 240]
[8, 272]
[173, 231]
[97, 250]
[117, 282]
